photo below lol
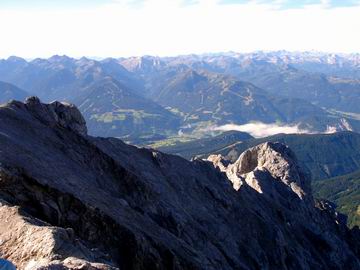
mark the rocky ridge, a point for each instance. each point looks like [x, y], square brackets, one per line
[267, 160]
[72, 201]
[56, 113]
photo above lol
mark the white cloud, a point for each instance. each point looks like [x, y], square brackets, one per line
[258, 129]
[162, 27]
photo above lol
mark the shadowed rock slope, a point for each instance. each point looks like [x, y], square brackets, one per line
[71, 201]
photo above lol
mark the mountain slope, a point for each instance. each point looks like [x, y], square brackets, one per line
[344, 191]
[206, 99]
[145, 209]
[336, 93]
[111, 109]
[9, 91]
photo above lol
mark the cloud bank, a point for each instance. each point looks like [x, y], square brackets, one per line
[259, 129]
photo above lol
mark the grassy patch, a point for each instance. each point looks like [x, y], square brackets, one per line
[171, 141]
[123, 114]
[108, 117]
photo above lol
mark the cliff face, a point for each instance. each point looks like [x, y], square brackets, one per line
[71, 201]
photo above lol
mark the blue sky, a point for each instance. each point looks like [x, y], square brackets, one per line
[114, 28]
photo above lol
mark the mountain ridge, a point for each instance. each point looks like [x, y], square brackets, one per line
[279, 90]
[173, 214]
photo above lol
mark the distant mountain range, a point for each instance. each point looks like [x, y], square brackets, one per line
[191, 94]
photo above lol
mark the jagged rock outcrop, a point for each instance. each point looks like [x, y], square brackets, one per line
[100, 203]
[265, 161]
[56, 113]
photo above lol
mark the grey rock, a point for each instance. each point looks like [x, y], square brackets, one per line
[57, 113]
[135, 208]
[273, 158]
[34, 244]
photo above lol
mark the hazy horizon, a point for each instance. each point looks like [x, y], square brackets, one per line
[99, 58]
[124, 28]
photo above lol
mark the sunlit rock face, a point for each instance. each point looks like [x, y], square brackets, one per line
[259, 166]
[72, 201]
[34, 244]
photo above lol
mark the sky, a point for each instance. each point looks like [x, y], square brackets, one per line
[122, 28]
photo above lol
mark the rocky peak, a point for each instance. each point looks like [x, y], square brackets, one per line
[55, 113]
[260, 166]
